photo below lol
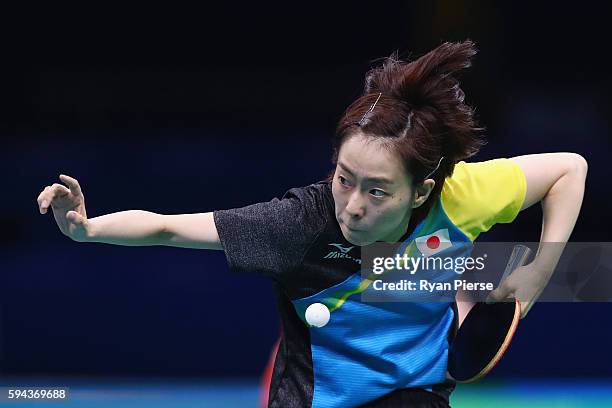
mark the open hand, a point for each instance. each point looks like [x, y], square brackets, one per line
[68, 205]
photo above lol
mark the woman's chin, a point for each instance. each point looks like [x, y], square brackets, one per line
[353, 241]
[358, 238]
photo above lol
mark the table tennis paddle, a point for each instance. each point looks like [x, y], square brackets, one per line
[486, 331]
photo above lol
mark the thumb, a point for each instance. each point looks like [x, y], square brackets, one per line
[75, 217]
[502, 292]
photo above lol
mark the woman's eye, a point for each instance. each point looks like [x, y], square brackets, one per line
[342, 181]
[378, 193]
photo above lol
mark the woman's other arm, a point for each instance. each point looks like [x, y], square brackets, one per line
[557, 180]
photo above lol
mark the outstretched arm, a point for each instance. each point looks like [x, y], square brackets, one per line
[131, 227]
[556, 180]
[144, 228]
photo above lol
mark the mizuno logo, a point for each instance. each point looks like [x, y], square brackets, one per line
[342, 252]
[341, 248]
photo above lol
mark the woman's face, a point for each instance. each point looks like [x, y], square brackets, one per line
[372, 192]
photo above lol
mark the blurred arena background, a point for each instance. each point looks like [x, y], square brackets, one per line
[183, 111]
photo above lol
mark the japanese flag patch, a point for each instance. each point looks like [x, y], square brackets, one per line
[433, 243]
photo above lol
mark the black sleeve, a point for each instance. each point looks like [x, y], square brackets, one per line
[272, 237]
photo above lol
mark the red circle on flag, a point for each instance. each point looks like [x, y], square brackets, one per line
[433, 242]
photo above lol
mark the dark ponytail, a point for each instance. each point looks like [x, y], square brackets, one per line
[420, 114]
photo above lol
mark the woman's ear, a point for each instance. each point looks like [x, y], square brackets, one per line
[422, 191]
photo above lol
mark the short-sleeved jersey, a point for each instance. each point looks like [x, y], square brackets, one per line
[368, 352]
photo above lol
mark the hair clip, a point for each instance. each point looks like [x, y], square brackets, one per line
[409, 121]
[360, 123]
[434, 170]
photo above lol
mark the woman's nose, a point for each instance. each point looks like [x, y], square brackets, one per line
[355, 207]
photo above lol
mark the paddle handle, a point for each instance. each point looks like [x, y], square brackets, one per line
[519, 256]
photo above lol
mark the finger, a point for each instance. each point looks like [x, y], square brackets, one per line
[525, 308]
[43, 200]
[502, 292]
[75, 188]
[49, 194]
[59, 190]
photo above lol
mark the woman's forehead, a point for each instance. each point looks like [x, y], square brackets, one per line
[366, 157]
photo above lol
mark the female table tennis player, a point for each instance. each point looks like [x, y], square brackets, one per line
[400, 175]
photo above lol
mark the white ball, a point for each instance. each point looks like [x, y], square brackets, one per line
[317, 315]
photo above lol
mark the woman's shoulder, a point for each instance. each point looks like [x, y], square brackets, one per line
[474, 180]
[315, 196]
[480, 194]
